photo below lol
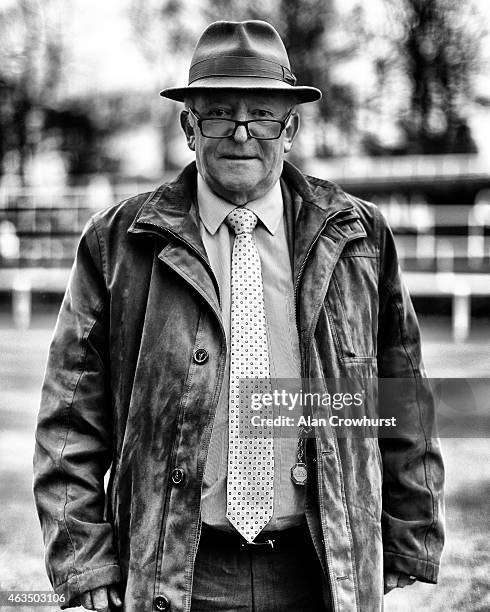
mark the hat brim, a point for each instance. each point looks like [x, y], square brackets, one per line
[302, 93]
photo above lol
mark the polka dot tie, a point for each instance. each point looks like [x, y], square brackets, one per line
[251, 452]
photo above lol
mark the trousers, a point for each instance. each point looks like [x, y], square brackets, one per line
[231, 576]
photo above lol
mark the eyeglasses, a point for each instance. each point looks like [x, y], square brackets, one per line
[262, 129]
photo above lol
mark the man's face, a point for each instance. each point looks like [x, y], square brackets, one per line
[238, 168]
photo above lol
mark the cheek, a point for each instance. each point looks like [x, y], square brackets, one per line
[205, 155]
[273, 157]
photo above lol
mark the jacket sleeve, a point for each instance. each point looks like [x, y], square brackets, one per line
[413, 473]
[73, 448]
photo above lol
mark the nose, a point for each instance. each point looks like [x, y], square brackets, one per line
[240, 135]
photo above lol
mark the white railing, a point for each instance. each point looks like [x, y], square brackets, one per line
[400, 167]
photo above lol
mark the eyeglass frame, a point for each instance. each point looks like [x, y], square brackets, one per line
[283, 122]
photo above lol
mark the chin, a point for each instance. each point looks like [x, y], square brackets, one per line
[237, 187]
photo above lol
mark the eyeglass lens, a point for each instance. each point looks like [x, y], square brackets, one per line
[222, 128]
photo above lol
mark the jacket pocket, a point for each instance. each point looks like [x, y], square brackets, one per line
[351, 307]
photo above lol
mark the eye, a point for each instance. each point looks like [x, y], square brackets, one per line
[218, 113]
[262, 113]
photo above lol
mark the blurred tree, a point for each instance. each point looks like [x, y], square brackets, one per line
[434, 46]
[30, 70]
[33, 102]
[165, 31]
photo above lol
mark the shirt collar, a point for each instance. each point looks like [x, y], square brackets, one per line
[213, 209]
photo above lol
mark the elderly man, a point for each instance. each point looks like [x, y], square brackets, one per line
[241, 269]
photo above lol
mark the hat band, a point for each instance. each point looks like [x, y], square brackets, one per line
[236, 66]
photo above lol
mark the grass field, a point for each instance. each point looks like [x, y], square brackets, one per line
[464, 579]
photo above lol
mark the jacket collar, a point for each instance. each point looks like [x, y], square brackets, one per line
[172, 208]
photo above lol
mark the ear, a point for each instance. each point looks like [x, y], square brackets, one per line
[290, 132]
[188, 130]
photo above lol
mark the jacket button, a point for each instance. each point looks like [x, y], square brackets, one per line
[178, 476]
[162, 604]
[201, 356]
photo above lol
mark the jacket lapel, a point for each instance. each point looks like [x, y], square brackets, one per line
[171, 212]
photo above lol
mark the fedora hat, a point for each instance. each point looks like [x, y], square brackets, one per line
[245, 55]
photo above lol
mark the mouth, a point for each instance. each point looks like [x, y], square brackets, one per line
[239, 157]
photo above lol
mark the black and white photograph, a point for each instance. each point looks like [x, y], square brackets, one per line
[245, 305]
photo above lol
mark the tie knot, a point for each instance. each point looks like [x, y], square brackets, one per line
[241, 221]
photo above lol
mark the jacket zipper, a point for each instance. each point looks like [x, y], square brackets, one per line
[300, 271]
[331, 577]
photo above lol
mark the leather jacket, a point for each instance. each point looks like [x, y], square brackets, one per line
[133, 378]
